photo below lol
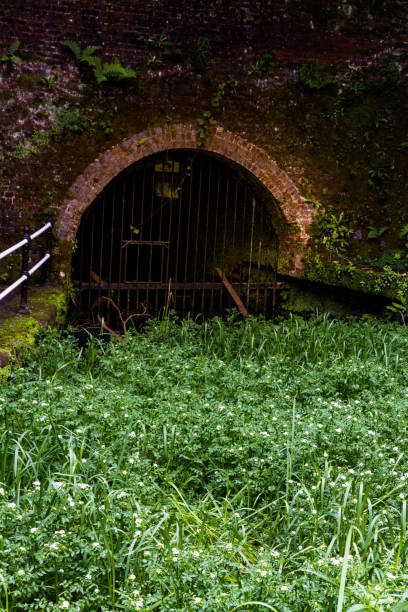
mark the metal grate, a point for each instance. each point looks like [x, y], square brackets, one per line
[167, 224]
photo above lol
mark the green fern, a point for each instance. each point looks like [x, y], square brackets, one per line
[74, 48]
[81, 56]
[99, 74]
[88, 52]
[102, 72]
[117, 71]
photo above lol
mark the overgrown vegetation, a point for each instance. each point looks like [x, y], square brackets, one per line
[102, 71]
[10, 58]
[208, 467]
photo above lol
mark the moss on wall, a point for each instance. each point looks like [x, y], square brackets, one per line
[47, 306]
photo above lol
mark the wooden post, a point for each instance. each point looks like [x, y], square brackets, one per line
[233, 293]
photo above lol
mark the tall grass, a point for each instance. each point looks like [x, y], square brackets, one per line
[208, 467]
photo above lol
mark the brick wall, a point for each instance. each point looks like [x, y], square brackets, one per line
[119, 26]
[122, 27]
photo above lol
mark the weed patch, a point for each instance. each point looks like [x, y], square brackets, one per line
[208, 467]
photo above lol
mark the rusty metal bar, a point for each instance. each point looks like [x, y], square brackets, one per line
[150, 219]
[197, 228]
[161, 243]
[257, 277]
[102, 241]
[224, 238]
[176, 272]
[113, 203]
[122, 219]
[250, 249]
[217, 192]
[186, 255]
[204, 263]
[92, 249]
[180, 285]
[169, 229]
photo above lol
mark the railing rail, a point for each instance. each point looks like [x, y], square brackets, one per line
[25, 244]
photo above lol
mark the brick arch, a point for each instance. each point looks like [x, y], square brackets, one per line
[295, 211]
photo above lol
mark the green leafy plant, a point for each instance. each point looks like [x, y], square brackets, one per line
[399, 308]
[80, 56]
[220, 91]
[334, 232]
[404, 234]
[207, 120]
[167, 47]
[264, 66]
[69, 120]
[202, 54]
[31, 146]
[49, 81]
[102, 71]
[205, 123]
[113, 71]
[376, 232]
[154, 60]
[10, 58]
[216, 467]
[106, 126]
[315, 76]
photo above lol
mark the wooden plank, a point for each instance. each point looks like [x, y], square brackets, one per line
[233, 293]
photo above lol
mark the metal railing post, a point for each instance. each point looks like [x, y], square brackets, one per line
[24, 270]
[47, 267]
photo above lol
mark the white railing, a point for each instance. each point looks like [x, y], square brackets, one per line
[25, 243]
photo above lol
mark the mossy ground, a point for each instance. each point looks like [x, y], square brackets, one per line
[47, 306]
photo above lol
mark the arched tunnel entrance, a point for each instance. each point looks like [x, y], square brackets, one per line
[166, 228]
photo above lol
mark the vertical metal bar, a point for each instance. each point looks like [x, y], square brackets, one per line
[183, 177]
[275, 273]
[188, 235]
[206, 232]
[101, 247]
[92, 251]
[150, 232]
[224, 239]
[169, 229]
[162, 249]
[24, 270]
[138, 253]
[234, 222]
[48, 244]
[265, 304]
[127, 232]
[250, 250]
[215, 263]
[119, 276]
[243, 236]
[81, 275]
[113, 204]
[257, 278]
[197, 212]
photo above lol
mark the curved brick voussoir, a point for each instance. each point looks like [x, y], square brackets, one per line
[295, 211]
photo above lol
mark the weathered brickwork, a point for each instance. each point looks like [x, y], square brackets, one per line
[292, 206]
[238, 31]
